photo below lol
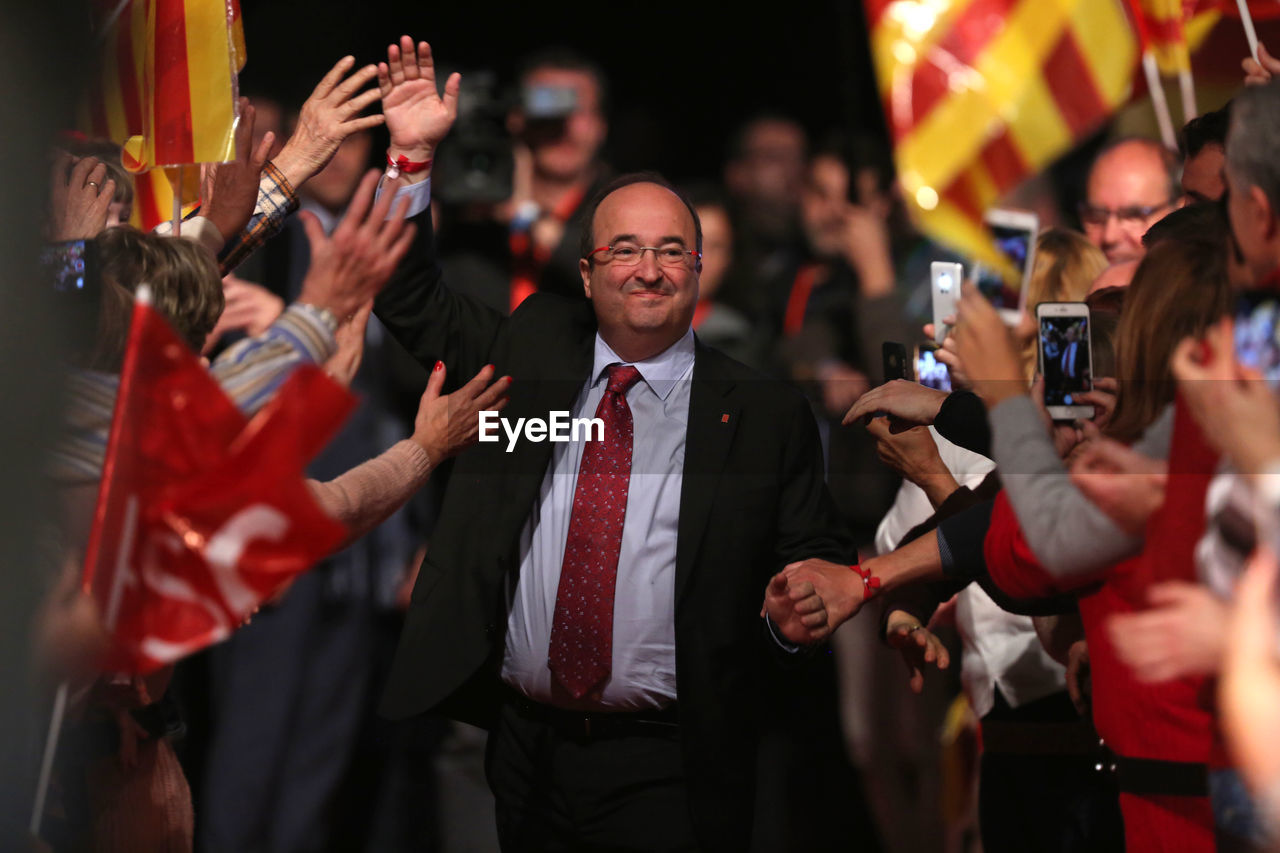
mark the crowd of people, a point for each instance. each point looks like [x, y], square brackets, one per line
[641, 621]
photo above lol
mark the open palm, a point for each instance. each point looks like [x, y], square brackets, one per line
[417, 116]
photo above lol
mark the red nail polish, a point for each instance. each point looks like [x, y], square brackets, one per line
[439, 364]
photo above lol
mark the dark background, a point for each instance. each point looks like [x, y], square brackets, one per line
[683, 76]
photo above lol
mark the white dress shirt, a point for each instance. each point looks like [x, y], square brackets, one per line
[998, 648]
[644, 649]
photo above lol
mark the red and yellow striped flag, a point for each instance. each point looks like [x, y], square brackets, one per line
[980, 94]
[1173, 30]
[166, 92]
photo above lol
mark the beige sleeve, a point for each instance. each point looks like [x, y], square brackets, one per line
[369, 493]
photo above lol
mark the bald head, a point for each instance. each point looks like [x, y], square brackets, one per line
[1132, 184]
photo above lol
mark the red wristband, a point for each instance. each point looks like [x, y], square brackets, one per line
[402, 165]
[870, 583]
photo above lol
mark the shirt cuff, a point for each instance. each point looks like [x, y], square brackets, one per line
[419, 196]
[311, 330]
[946, 559]
[783, 643]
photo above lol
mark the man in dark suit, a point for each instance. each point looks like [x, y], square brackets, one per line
[597, 603]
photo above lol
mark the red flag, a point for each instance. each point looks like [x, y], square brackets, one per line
[201, 516]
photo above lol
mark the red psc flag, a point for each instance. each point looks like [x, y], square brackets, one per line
[201, 515]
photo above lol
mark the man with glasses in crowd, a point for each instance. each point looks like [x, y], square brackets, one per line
[597, 603]
[1132, 184]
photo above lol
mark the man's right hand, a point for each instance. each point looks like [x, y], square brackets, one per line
[349, 267]
[905, 400]
[417, 117]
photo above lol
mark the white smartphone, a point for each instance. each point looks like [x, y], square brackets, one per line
[1066, 358]
[1014, 232]
[945, 279]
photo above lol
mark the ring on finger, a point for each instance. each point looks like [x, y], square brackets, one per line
[92, 184]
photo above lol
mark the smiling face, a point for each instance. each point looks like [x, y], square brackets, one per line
[645, 308]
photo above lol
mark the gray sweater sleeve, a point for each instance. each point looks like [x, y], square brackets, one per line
[1067, 533]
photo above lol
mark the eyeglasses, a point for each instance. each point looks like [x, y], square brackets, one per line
[628, 255]
[1130, 216]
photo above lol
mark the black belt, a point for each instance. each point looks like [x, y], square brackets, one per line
[594, 725]
[1153, 777]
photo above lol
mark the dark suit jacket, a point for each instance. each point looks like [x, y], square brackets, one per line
[752, 500]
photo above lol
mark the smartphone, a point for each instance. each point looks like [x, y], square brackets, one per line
[71, 267]
[894, 356]
[1257, 334]
[1066, 358]
[1014, 232]
[944, 279]
[930, 372]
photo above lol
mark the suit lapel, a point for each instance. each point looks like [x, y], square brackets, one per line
[713, 419]
[553, 384]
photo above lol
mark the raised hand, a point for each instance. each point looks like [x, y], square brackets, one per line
[1182, 634]
[328, 117]
[344, 363]
[250, 308]
[229, 191]
[796, 610]
[986, 349]
[349, 267]
[1235, 408]
[1249, 687]
[417, 116]
[918, 646]
[905, 400]
[446, 426]
[80, 197]
[1260, 70]
[1127, 486]
[914, 454]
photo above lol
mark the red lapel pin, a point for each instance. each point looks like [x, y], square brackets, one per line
[724, 419]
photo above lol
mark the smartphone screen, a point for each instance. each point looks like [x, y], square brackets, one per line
[930, 372]
[67, 266]
[1065, 359]
[1257, 334]
[1015, 243]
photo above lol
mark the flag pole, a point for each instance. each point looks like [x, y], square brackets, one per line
[177, 205]
[1187, 84]
[1249, 33]
[1158, 100]
[46, 762]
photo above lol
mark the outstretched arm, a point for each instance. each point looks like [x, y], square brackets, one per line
[368, 494]
[430, 321]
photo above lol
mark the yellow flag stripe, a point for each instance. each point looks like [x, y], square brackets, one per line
[956, 130]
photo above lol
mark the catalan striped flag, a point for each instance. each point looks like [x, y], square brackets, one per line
[1173, 30]
[166, 92]
[980, 94]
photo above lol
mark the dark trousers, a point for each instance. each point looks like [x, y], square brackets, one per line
[1046, 803]
[556, 791]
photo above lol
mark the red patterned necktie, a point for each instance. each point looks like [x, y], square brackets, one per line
[581, 651]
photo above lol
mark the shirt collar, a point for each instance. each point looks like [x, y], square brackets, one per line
[660, 373]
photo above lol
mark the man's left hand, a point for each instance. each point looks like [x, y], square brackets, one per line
[840, 587]
[797, 610]
[417, 116]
